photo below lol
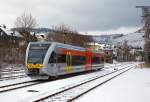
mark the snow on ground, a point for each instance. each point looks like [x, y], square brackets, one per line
[11, 70]
[132, 86]
[46, 88]
[14, 81]
[50, 87]
[24, 79]
[19, 80]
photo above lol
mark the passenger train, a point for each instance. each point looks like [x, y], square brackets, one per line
[51, 59]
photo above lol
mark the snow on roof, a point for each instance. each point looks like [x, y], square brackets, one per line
[41, 33]
[9, 32]
[133, 39]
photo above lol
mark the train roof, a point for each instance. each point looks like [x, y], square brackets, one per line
[66, 46]
[69, 46]
[40, 42]
[61, 45]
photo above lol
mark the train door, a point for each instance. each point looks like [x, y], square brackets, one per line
[52, 63]
[68, 61]
[88, 60]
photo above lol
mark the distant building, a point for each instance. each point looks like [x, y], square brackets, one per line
[95, 46]
[41, 36]
[9, 37]
[41, 33]
[10, 42]
[108, 55]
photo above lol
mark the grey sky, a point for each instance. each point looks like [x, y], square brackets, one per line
[82, 15]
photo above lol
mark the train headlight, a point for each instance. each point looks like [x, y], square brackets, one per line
[34, 66]
[39, 65]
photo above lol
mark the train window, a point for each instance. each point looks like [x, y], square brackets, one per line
[95, 60]
[78, 60]
[61, 58]
[37, 53]
[39, 46]
[52, 58]
[102, 59]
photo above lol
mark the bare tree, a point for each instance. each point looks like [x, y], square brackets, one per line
[125, 49]
[123, 52]
[65, 34]
[26, 21]
[24, 25]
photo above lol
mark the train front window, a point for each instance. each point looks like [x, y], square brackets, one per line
[37, 53]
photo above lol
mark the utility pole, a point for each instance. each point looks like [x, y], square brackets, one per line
[146, 29]
[12, 59]
[64, 36]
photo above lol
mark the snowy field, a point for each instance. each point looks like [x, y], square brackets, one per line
[133, 86]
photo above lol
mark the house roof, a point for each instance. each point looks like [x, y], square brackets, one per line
[9, 32]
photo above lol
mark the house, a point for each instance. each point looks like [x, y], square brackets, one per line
[9, 44]
[9, 38]
[108, 55]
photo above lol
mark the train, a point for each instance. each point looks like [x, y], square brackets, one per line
[52, 59]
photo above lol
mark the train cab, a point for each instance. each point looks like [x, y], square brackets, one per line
[35, 56]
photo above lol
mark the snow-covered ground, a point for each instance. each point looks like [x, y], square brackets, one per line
[133, 86]
[24, 79]
[43, 89]
[46, 88]
[11, 71]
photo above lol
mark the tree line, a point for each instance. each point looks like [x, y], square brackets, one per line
[60, 33]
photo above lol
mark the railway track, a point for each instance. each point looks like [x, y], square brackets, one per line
[114, 65]
[12, 73]
[73, 92]
[61, 92]
[19, 73]
[12, 77]
[20, 85]
[15, 86]
[9, 74]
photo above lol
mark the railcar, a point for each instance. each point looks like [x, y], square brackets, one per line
[49, 59]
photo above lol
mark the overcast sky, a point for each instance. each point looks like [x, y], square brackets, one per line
[91, 16]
